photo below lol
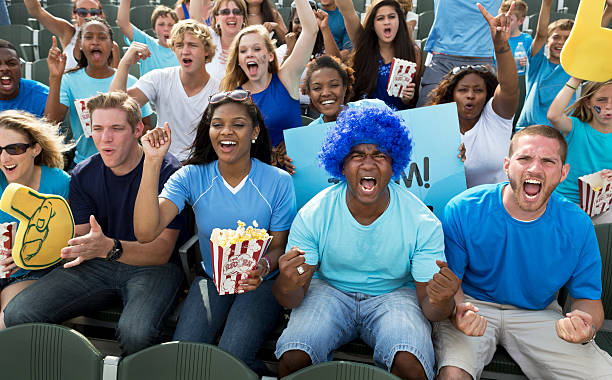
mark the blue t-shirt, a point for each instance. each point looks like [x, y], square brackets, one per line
[588, 151]
[96, 190]
[32, 97]
[80, 86]
[279, 109]
[507, 261]
[52, 181]
[160, 56]
[266, 195]
[460, 29]
[544, 80]
[338, 30]
[397, 249]
[384, 70]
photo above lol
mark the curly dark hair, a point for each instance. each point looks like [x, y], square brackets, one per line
[202, 151]
[82, 62]
[346, 73]
[366, 51]
[444, 92]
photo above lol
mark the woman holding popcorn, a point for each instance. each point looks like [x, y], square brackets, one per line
[226, 178]
[31, 155]
[588, 132]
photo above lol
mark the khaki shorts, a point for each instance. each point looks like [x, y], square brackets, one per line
[529, 337]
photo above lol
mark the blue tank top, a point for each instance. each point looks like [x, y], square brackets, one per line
[384, 70]
[185, 11]
[279, 109]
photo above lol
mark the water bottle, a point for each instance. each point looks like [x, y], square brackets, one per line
[519, 54]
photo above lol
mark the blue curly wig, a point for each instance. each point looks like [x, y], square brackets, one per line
[366, 125]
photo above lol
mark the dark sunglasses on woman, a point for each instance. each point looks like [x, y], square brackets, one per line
[227, 11]
[16, 149]
[84, 12]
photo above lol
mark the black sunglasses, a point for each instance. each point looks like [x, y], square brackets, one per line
[237, 95]
[84, 12]
[227, 11]
[16, 149]
[459, 69]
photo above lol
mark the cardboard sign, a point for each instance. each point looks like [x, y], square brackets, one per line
[435, 174]
[587, 53]
[45, 225]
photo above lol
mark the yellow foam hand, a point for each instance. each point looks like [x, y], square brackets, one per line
[587, 54]
[45, 225]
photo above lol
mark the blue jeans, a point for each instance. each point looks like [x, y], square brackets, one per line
[4, 16]
[148, 294]
[328, 318]
[249, 318]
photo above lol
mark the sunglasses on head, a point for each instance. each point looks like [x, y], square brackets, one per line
[237, 95]
[16, 149]
[312, 3]
[227, 11]
[459, 69]
[84, 12]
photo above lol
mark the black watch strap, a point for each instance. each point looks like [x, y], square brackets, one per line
[115, 253]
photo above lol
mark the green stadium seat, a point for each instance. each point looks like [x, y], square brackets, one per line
[40, 71]
[424, 24]
[185, 361]
[141, 16]
[37, 351]
[110, 13]
[61, 10]
[341, 370]
[19, 15]
[19, 35]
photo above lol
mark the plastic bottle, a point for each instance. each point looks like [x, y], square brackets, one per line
[519, 54]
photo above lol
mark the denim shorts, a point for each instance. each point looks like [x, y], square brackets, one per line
[328, 318]
[28, 276]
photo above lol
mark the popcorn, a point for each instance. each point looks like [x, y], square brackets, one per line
[595, 193]
[7, 238]
[235, 252]
[400, 76]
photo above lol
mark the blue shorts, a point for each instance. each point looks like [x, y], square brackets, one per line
[328, 318]
[27, 276]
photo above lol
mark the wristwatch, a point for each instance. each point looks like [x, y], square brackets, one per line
[593, 338]
[115, 253]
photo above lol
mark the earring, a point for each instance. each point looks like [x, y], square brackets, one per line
[253, 141]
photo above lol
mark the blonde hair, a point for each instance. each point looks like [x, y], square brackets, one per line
[199, 30]
[580, 109]
[38, 131]
[118, 100]
[215, 11]
[234, 75]
[520, 8]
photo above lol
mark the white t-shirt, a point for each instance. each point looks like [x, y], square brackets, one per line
[216, 67]
[183, 113]
[71, 63]
[486, 146]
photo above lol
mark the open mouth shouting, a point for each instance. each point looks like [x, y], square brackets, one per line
[9, 168]
[7, 83]
[367, 185]
[227, 146]
[252, 68]
[387, 32]
[531, 189]
[96, 54]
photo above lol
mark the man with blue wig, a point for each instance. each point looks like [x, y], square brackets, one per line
[365, 257]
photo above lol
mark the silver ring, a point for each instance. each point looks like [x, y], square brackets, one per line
[300, 270]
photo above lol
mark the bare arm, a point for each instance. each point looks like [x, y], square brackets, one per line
[505, 99]
[556, 112]
[607, 16]
[331, 48]
[351, 20]
[291, 70]
[135, 53]
[200, 10]
[290, 286]
[58, 26]
[91, 243]
[542, 29]
[152, 214]
[56, 61]
[123, 19]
